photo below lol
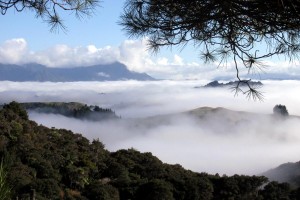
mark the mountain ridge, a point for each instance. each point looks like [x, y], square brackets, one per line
[40, 73]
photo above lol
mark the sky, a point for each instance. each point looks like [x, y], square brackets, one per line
[99, 39]
[100, 30]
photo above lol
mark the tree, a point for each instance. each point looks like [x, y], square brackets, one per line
[48, 10]
[274, 191]
[155, 190]
[220, 29]
[280, 110]
[101, 191]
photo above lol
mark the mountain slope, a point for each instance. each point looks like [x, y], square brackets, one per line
[36, 72]
[204, 116]
[58, 164]
[287, 172]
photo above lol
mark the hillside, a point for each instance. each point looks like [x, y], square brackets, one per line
[71, 109]
[35, 72]
[287, 172]
[58, 164]
[204, 116]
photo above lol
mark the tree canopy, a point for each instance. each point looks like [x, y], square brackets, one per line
[58, 164]
[222, 30]
[48, 10]
[280, 110]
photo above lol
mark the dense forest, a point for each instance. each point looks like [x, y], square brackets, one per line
[58, 164]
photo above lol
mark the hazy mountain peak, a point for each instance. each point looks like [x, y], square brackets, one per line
[101, 72]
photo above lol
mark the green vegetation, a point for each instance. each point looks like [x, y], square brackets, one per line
[5, 189]
[58, 164]
[72, 109]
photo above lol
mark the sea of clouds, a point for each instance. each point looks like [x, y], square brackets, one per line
[213, 146]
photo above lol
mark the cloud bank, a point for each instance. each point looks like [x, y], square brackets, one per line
[134, 54]
[212, 145]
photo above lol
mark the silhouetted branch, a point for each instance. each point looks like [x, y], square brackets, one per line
[220, 29]
[49, 10]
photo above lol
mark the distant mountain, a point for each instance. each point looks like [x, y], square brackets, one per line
[35, 72]
[217, 84]
[287, 172]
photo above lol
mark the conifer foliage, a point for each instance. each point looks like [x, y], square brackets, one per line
[231, 30]
[50, 11]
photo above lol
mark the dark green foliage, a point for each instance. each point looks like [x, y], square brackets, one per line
[276, 191]
[237, 187]
[15, 110]
[49, 160]
[155, 190]
[58, 164]
[101, 191]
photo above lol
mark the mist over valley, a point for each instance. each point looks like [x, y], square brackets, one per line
[198, 128]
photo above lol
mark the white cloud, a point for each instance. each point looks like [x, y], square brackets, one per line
[178, 60]
[135, 55]
[65, 56]
[14, 51]
[132, 53]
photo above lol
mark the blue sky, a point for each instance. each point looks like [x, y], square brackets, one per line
[99, 39]
[101, 29]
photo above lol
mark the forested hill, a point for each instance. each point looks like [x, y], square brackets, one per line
[58, 164]
[71, 109]
[35, 72]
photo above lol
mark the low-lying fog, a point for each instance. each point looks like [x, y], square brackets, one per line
[214, 145]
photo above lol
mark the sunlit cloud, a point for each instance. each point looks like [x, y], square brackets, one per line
[14, 51]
